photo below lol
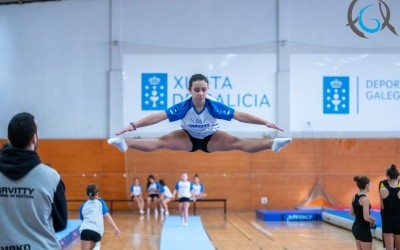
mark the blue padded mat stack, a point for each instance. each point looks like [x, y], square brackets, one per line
[289, 215]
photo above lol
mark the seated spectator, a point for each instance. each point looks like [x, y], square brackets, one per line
[136, 194]
[153, 193]
[198, 188]
[165, 198]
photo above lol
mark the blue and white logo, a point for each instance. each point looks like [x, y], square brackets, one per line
[367, 15]
[154, 91]
[336, 95]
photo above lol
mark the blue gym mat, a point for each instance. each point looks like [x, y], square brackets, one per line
[70, 233]
[174, 236]
[288, 215]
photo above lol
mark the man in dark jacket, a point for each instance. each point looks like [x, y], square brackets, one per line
[32, 195]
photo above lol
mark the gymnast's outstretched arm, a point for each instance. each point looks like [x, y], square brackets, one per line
[146, 121]
[248, 118]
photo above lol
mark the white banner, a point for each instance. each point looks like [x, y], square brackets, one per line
[246, 82]
[345, 93]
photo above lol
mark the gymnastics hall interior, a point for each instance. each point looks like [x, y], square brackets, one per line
[308, 187]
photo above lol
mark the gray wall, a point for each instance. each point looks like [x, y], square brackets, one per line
[62, 60]
[54, 61]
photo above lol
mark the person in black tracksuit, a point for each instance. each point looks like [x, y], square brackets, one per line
[390, 206]
[360, 209]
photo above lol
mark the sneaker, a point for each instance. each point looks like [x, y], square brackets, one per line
[279, 143]
[155, 212]
[161, 210]
[141, 212]
[166, 213]
[119, 143]
[185, 224]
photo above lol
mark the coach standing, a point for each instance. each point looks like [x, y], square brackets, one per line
[32, 195]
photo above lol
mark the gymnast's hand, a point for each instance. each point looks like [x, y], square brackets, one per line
[117, 233]
[372, 222]
[272, 125]
[127, 129]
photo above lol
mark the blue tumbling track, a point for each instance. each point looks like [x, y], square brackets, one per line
[343, 219]
[70, 233]
[174, 236]
[346, 214]
[338, 217]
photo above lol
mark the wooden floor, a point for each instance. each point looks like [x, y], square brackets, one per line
[238, 231]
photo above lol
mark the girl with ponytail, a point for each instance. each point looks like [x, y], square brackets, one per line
[92, 213]
[360, 209]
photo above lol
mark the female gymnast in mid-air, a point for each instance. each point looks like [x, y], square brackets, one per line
[198, 115]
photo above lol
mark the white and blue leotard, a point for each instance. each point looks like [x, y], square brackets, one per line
[200, 124]
[198, 189]
[136, 190]
[91, 213]
[184, 189]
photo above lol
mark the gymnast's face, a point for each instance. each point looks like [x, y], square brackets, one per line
[199, 91]
[184, 177]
